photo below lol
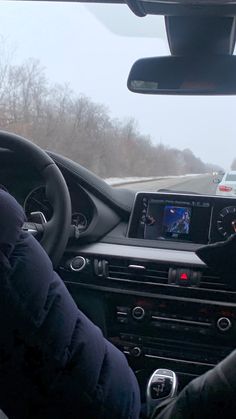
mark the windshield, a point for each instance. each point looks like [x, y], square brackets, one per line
[63, 75]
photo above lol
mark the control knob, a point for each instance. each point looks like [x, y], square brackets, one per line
[136, 351]
[138, 313]
[224, 324]
[77, 264]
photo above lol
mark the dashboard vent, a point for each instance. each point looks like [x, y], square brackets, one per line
[149, 272]
[154, 273]
[212, 281]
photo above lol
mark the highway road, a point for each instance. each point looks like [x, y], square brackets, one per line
[202, 184]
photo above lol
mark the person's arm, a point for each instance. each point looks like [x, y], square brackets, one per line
[54, 362]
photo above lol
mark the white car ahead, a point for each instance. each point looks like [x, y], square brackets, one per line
[227, 186]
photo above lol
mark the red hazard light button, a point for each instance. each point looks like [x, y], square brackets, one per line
[183, 277]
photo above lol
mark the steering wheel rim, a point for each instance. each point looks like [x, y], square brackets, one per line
[56, 231]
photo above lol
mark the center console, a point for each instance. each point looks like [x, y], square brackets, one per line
[174, 330]
[187, 337]
[162, 307]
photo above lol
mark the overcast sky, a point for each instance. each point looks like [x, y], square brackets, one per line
[75, 47]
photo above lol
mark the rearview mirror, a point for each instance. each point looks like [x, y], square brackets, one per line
[207, 75]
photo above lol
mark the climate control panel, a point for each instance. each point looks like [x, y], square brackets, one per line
[173, 329]
[180, 316]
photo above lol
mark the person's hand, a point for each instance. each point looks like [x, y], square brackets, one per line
[220, 256]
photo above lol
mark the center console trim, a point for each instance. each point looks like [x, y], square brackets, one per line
[184, 361]
[181, 321]
[125, 291]
[150, 254]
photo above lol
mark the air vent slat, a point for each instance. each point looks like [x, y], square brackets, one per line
[118, 274]
[125, 269]
[212, 281]
[213, 285]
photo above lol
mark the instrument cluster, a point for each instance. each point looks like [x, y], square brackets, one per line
[226, 221]
[37, 201]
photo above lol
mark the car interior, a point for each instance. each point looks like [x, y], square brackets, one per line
[130, 257]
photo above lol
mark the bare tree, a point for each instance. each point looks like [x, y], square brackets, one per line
[56, 118]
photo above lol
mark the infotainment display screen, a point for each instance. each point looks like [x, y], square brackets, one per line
[158, 216]
[176, 220]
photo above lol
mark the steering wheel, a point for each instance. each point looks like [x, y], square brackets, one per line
[56, 231]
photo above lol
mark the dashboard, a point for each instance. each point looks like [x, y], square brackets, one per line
[133, 269]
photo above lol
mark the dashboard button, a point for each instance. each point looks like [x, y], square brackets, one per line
[224, 324]
[138, 313]
[77, 264]
[136, 351]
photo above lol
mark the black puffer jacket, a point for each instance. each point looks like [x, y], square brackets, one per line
[54, 362]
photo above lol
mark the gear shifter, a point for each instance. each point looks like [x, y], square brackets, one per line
[161, 385]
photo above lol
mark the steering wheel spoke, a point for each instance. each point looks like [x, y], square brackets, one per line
[35, 229]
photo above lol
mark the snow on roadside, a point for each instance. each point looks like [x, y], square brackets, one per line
[125, 180]
[119, 180]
